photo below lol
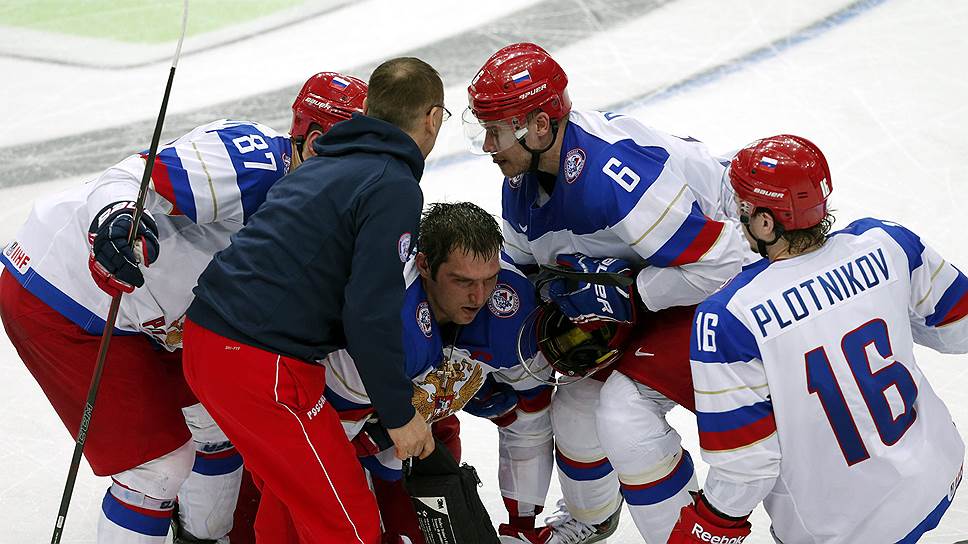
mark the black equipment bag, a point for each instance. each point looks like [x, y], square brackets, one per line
[449, 510]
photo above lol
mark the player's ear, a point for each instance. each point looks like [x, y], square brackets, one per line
[766, 222]
[366, 107]
[308, 150]
[423, 265]
[542, 124]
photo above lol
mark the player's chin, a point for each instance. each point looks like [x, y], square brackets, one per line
[507, 168]
[467, 314]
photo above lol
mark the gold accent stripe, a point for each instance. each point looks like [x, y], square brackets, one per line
[721, 391]
[211, 186]
[931, 283]
[342, 380]
[661, 217]
[718, 237]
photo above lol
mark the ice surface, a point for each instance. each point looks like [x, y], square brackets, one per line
[879, 85]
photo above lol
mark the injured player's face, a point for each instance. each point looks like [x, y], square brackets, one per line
[463, 285]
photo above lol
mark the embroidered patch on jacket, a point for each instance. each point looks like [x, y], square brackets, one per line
[403, 247]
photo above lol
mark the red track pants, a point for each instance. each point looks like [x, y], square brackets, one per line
[272, 408]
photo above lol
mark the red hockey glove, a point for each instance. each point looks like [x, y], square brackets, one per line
[699, 523]
[113, 262]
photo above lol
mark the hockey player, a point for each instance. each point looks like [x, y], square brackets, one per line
[461, 316]
[204, 186]
[599, 191]
[319, 268]
[808, 395]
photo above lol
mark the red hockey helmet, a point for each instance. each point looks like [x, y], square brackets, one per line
[785, 174]
[517, 80]
[326, 99]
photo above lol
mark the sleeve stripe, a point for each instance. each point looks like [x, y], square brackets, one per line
[953, 304]
[694, 237]
[701, 244]
[738, 438]
[162, 183]
[734, 419]
[957, 313]
[661, 217]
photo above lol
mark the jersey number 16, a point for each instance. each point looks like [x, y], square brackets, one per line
[873, 387]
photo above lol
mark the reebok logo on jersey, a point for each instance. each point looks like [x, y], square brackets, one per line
[705, 536]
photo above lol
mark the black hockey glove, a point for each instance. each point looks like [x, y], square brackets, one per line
[113, 262]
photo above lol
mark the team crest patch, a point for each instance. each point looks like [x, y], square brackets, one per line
[424, 321]
[403, 247]
[574, 162]
[515, 182]
[504, 301]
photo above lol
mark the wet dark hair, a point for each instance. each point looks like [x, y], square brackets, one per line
[446, 227]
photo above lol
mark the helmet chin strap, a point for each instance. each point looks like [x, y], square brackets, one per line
[536, 153]
[761, 245]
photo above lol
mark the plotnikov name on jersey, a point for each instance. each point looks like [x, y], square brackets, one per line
[814, 295]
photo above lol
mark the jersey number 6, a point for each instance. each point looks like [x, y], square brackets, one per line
[621, 173]
[873, 387]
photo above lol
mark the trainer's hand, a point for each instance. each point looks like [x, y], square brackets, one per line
[413, 439]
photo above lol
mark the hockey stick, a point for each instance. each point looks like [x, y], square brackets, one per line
[116, 300]
[609, 279]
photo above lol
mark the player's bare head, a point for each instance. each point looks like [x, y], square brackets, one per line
[450, 227]
[405, 91]
[324, 100]
[459, 259]
[782, 184]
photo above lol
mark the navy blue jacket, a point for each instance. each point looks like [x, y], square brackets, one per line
[319, 266]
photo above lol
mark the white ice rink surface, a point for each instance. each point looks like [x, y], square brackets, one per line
[882, 92]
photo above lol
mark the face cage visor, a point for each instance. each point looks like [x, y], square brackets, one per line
[548, 339]
[490, 137]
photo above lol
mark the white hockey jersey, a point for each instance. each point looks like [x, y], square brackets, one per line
[204, 186]
[628, 191]
[447, 373]
[808, 395]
